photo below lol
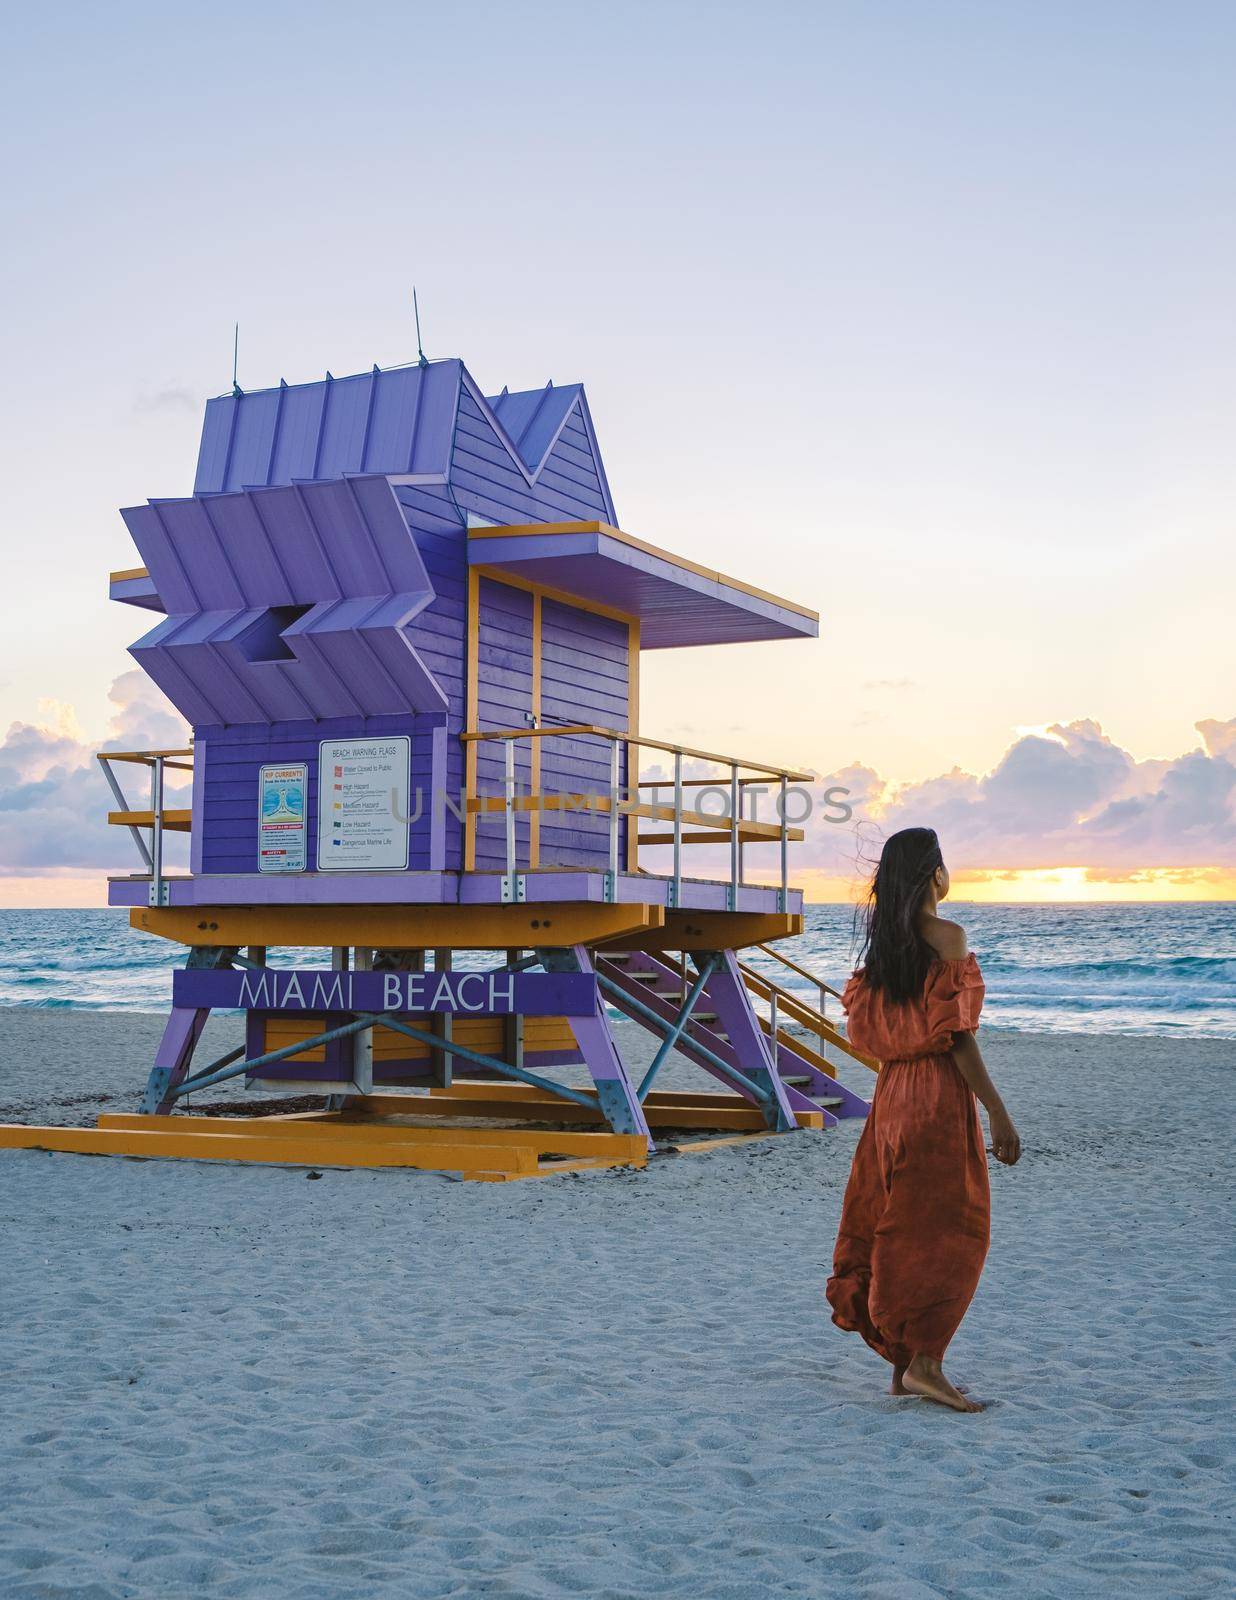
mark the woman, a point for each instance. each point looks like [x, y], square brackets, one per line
[915, 1220]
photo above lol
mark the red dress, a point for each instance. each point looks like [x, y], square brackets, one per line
[915, 1221]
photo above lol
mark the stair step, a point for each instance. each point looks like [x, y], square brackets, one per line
[833, 1100]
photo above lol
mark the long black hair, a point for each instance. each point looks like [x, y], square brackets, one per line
[896, 954]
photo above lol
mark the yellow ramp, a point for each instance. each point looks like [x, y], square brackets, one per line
[310, 1150]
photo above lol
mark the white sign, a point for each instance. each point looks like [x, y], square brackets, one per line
[281, 818]
[363, 813]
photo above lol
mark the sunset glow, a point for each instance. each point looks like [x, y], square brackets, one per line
[1047, 885]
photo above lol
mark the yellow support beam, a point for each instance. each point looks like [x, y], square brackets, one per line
[413, 927]
[715, 930]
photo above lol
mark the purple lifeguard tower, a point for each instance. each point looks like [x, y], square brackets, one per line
[405, 629]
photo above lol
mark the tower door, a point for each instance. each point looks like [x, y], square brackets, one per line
[507, 696]
[541, 662]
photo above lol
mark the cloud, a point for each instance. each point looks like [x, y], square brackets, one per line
[1218, 737]
[171, 398]
[1065, 797]
[53, 798]
[889, 683]
[1062, 796]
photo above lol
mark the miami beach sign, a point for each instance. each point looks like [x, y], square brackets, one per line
[497, 992]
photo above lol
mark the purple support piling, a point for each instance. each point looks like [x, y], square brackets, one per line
[175, 1052]
[728, 997]
[615, 1092]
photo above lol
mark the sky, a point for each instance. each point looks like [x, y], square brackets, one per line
[918, 312]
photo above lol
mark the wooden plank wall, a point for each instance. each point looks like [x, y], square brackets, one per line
[230, 759]
[586, 660]
[584, 669]
[440, 632]
[584, 678]
[504, 700]
[486, 481]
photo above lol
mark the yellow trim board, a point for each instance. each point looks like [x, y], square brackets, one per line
[554, 1169]
[343, 1127]
[643, 742]
[701, 1147]
[540, 529]
[185, 1143]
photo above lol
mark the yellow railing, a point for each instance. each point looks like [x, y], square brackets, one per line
[819, 983]
[728, 825]
[154, 818]
[785, 1003]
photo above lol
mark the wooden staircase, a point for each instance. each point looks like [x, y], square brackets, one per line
[806, 1072]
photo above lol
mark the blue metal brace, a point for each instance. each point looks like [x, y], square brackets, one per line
[676, 1029]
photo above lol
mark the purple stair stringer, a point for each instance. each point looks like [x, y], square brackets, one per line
[821, 1085]
[656, 985]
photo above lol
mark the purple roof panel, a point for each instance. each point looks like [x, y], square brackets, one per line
[398, 422]
[294, 448]
[533, 418]
[677, 604]
[280, 600]
[394, 422]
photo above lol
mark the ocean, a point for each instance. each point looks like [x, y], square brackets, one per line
[1165, 970]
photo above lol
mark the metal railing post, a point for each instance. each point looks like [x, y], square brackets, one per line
[508, 788]
[783, 896]
[156, 831]
[677, 887]
[735, 837]
[611, 887]
[362, 1041]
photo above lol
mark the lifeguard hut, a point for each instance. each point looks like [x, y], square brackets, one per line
[406, 630]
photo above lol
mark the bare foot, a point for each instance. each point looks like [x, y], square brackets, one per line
[925, 1378]
[898, 1384]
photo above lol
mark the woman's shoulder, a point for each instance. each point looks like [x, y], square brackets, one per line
[947, 939]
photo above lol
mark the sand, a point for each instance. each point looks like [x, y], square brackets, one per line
[241, 1382]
